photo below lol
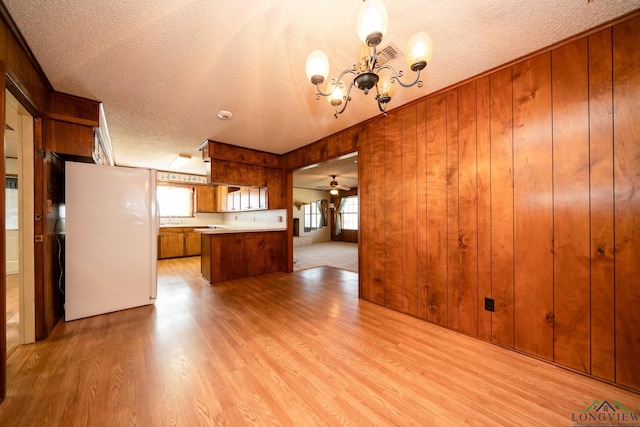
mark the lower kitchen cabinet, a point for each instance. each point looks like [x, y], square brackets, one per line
[176, 242]
[228, 256]
[170, 245]
[192, 243]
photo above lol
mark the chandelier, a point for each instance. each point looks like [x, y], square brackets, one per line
[367, 73]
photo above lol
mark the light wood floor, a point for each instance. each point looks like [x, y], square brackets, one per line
[297, 349]
[13, 313]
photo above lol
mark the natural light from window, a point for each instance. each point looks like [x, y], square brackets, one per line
[350, 213]
[175, 201]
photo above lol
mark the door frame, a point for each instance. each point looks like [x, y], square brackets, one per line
[26, 211]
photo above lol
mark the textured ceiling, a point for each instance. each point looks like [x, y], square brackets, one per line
[163, 68]
[318, 177]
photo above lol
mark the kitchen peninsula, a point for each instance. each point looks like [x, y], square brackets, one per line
[236, 252]
[246, 243]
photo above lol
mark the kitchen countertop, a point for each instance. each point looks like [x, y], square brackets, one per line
[227, 230]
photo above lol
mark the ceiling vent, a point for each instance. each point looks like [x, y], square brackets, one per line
[388, 53]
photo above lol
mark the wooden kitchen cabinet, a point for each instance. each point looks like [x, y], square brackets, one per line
[170, 245]
[175, 242]
[205, 199]
[70, 138]
[237, 255]
[192, 243]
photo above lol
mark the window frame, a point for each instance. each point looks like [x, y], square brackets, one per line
[312, 218]
[346, 225]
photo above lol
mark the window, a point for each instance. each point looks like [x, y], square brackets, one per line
[349, 213]
[175, 200]
[312, 216]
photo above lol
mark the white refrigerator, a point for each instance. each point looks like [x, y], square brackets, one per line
[111, 230]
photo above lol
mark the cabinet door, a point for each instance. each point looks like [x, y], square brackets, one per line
[191, 244]
[254, 198]
[170, 245]
[233, 200]
[245, 198]
[263, 198]
[205, 200]
[70, 138]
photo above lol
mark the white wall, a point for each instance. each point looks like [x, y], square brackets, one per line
[305, 195]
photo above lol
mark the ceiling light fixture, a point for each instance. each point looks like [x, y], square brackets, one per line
[180, 161]
[368, 74]
[225, 115]
[333, 192]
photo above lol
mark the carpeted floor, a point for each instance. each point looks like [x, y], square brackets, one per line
[334, 254]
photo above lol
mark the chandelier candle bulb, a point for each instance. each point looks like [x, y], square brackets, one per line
[372, 22]
[419, 51]
[317, 67]
[386, 89]
[335, 99]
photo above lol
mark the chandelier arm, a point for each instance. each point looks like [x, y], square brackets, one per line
[346, 98]
[382, 109]
[335, 82]
[381, 105]
[398, 75]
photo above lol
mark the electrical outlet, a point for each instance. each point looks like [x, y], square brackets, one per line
[489, 304]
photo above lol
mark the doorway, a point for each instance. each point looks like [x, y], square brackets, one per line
[320, 193]
[19, 211]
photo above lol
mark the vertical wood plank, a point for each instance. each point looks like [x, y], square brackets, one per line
[421, 177]
[365, 231]
[468, 218]
[626, 148]
[453, 278]
[571, 258]
[253, 248]
[533, 207]
[501, 126]
[601, 197]
[409, 212]
[437, 210]
[379, 246]
[3, 268]
[393, 288]
[484, 205]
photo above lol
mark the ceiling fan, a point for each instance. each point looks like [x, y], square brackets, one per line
[334, 186]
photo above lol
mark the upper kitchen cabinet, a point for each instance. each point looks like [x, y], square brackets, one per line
[244, 167]
[206, 199]
[74, 109]
[72, 129]
[70, 138]
[225, 198]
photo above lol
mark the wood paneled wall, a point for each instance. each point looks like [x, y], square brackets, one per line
[522, 185]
